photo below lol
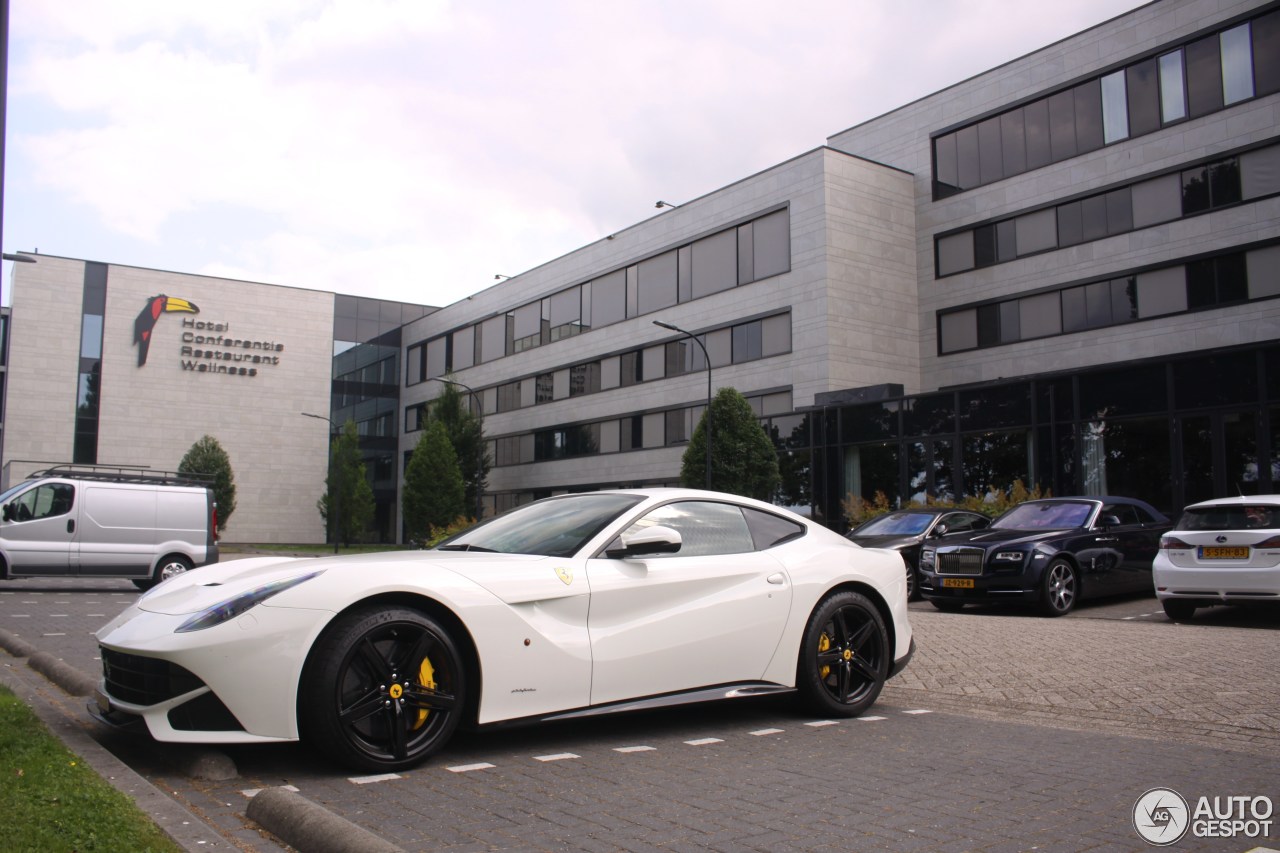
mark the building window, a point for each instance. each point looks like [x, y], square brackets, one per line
[1226, 279]
[1226, 68]
[1120, 210]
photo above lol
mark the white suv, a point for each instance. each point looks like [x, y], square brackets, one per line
[1221, 551]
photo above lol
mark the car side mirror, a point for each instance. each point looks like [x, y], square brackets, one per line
[650, 540]
[7, 512]
[1109, 521]
[939, 531]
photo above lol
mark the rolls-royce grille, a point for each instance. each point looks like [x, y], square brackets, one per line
[960, 562]
[142, 680]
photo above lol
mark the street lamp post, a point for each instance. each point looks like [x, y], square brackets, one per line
[706, 357]
[337, 486]
[479, 450]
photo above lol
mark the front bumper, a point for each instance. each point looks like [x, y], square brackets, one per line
[986, 588]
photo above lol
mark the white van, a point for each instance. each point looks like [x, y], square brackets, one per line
[91, 521]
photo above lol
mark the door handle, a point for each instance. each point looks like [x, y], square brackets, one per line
[777, 579]
[71, 525]
[1107, 539]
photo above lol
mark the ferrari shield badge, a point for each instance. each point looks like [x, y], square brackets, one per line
[564, 574]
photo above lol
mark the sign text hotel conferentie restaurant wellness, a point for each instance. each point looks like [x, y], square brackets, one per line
[206, 347]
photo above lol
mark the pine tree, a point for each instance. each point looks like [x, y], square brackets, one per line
[743, 459]
[207, 457]
[433, 494]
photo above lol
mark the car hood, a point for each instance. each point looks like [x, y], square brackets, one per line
[891, 542]
[198, 589]
[989, 537]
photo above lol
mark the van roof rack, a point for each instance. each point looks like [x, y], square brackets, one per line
[125, 474]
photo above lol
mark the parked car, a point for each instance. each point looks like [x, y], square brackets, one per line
[1223, 551]
[1051, 552]
[570, 606]
[107, 522]
[904, 531]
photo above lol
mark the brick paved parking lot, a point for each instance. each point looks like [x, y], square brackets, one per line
[1007, 732]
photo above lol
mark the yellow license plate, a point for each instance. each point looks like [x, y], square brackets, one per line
[1211, 553]
[958, 583]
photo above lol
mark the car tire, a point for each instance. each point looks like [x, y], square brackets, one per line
[947, 605]
[1178, 609]
[844, 656]
[1059, 588]
[168, 567]
[913, 582]
[383, 688]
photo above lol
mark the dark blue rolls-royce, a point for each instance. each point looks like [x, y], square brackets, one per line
[1051, 553]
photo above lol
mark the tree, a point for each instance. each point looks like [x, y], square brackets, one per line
[743, 459]
[466, 434]
[207, 457]
[434, 494]
[347, 489]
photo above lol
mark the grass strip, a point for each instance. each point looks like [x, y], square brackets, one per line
[51, 801]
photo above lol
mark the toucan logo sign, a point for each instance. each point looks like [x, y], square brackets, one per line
[148, 316]
[207, 347]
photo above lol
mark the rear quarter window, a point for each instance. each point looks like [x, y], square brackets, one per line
[768, 530]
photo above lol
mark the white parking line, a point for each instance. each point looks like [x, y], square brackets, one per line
[819, 723]
[559, 756]
[918, 711]
[635, 749]
[762, 732]
[871, 719]
[467, 768]
[253, 792]
[703, 741]
[366, 780]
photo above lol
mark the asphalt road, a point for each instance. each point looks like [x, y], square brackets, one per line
[1007, 732]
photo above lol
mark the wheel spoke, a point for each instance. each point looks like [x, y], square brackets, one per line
[864, 668]
[378, 666]
[860, 637]
[839, 628]
[421, 699]
[370, 703]
[831, 657]
[416, 654]
[397, 725]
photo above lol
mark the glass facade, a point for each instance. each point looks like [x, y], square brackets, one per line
[366, 390]
[1168, 431]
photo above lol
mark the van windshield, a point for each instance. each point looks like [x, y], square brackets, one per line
[13, 490]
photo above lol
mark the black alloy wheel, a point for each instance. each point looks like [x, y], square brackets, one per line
[844, 656]
[382, 689]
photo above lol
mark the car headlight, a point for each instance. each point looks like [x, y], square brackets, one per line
[1008, 557]
[926, 558]
[233, 607]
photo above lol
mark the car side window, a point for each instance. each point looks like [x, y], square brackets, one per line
[768, 529]
[706, 528]
[1125, 512]
[960, 522]
[46, 501]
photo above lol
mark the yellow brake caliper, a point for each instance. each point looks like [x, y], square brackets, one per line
[824, 644]
[427, 678]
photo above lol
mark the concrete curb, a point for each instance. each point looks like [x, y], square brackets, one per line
[70, 679]
[306, 826]
[15, 646]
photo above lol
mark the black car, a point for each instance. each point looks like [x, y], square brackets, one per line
[905, 530]
[1050, 552]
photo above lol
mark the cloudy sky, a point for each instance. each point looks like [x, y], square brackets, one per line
[413, 149]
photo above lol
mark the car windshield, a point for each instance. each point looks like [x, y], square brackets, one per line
[1235, 517]
[895, 524]
[555, 527]
[1045, 515]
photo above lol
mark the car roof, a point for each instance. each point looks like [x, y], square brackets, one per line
[1237, 501]
[1105, 499]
